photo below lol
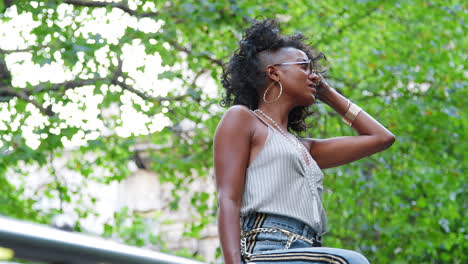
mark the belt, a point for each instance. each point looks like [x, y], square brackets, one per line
[313, 240]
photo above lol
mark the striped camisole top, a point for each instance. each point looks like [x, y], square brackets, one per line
[278, 181]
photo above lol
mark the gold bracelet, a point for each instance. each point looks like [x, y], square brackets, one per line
[347, 106]
[351, 114]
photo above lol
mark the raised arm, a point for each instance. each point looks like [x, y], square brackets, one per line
[333, 152]
[231, 155]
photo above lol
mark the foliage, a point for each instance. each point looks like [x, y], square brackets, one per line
[401, 61]
[134, 233]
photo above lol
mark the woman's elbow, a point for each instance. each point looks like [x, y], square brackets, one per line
[387, 141]
[228, 200]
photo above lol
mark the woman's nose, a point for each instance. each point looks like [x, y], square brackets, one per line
[314, 77]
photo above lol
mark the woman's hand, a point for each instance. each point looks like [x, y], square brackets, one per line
[322, 87]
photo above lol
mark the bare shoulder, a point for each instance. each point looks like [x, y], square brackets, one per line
[236, 127]
[239, 110]
[238, 116]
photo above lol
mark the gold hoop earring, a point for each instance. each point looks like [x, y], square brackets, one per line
[266, 91]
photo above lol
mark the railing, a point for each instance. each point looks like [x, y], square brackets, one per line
[35, 242]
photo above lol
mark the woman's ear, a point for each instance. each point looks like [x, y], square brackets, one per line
[272, 73]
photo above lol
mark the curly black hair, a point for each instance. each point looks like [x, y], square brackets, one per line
[242, 75]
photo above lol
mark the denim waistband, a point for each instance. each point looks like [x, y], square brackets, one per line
[264, 220]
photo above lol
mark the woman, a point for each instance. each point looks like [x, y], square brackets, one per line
[269, 182]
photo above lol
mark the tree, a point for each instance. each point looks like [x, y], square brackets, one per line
[401, 61]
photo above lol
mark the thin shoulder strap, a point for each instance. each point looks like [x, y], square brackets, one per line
[263, 120]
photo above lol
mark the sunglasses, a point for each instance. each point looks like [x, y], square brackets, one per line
[309, 62]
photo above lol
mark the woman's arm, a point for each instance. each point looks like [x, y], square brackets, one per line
[333, 152]
[231, 155]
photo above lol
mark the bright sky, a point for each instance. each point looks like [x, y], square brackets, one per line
[15, 34]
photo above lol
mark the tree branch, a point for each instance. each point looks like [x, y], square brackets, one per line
[5, 73]
[195, 79]
[25, 97]
[119, 73]
[66, 85]
[7, 3]
[3, 51]
[146, 97]
[122, 6]
[7, 92]
[190, 52]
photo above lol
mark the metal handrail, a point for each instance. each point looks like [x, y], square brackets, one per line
[36, 242]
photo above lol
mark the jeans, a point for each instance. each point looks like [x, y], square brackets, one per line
[282, 239]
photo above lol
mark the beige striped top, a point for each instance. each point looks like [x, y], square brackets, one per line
[280, 182]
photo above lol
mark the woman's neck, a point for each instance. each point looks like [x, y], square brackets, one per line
[278, 112]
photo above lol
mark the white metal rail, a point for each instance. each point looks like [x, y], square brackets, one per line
[36, 242]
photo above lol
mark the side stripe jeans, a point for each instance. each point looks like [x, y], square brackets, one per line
[268, 238]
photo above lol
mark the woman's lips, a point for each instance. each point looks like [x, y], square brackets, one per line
[313, 88]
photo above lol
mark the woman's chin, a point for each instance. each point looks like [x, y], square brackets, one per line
[308, 103]
[312, 100]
